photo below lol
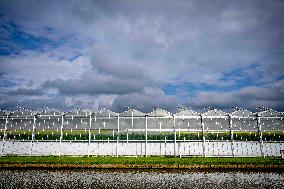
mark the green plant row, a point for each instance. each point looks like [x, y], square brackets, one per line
[84, 135]
[141, 160]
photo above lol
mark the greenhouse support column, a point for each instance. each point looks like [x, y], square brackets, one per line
[179, 144]
[203, 136]
[127, 136]
[132, 121]
[94, 139]
[117, 138]
[33, 134]
[260, 135]
[231, 134]
[175, 136]
[89, 145]
[61, 134]
[5, 134]
[146, 134]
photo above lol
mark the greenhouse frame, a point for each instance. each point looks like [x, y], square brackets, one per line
[134, 133]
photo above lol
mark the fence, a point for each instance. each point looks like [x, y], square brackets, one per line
[133, 133]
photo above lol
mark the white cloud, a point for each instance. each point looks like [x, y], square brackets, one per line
[120, 50]
[38, 68]
[249, 97]
[237, 18]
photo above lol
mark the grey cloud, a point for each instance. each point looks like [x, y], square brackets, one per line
[94, 85]
[103, 61]
[63, 103]
[8, 102]
[249, 97]
[107, 76]
[26, 91]
[145, 101]
[190, 32]
[146, 43]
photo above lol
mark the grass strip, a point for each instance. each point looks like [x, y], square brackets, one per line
[140, 160]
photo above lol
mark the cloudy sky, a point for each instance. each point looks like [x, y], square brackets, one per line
[93, 54]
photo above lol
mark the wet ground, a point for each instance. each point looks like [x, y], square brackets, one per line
[138, 179]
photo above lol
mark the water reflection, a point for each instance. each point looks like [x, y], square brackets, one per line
[137, 179]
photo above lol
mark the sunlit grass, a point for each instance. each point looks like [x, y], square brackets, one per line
[141, 160]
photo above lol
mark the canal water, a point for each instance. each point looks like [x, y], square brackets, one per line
[138, 179]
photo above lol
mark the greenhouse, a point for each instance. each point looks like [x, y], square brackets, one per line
[185, 133]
